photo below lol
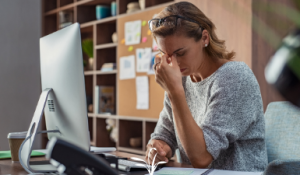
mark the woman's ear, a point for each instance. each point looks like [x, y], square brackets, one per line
[205, 38]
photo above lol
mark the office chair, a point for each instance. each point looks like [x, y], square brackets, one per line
[282, 138]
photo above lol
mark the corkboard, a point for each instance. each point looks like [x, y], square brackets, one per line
[127, 88]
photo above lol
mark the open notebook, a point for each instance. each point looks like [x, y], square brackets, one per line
[195, 171]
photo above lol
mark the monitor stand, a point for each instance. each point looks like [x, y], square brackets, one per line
[34, 125]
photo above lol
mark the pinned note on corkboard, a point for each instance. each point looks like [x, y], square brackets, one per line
[126, 89]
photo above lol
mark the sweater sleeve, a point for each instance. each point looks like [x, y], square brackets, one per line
[164, 129]
[231, 111]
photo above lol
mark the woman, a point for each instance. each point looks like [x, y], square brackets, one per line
[213, 109]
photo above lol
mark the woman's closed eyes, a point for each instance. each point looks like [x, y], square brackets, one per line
[179, 54]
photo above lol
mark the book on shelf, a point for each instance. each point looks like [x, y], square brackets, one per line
[108, 67]
[105, 100]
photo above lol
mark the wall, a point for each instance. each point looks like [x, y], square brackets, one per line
[232, 19]
[20, 30]
[263, 48]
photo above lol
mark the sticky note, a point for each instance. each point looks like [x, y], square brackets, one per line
[149, 32]
[144, 39]
[123, 41]
[130, 48]
[144, 23]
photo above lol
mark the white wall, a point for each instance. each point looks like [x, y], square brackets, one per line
[20, 30]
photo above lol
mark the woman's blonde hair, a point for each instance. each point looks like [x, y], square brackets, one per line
[216, 48]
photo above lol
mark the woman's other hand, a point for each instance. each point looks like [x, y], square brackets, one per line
[167, 73]
[163, 149]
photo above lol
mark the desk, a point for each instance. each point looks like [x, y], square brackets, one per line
[7, 167]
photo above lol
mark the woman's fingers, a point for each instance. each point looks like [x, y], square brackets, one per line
[151, 160]
[159, 148]
[158, 157]
[157, 58]
[160, 154]
[163, 59]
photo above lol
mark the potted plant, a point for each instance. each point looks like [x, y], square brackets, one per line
[88, 49]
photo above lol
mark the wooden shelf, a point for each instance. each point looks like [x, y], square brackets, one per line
[104, 46]
[63, 3]
[49, 5]
[54, 11]
[92, 2]
[100, 72]
[93, 143]
[150, 4]
[91, 115]
[67, 7]
[104, 20]
[137, 118]
[106, 116]
[106, 72]
[90, 72]
[51, 12]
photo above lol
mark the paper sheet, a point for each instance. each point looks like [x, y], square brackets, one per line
[127, 67]
[133, 32]
[102, 149]
[151, 70]
[195, 171]
[143, 58]
[142, 92]
[177, 172]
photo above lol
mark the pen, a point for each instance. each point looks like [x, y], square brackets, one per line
[207, 172]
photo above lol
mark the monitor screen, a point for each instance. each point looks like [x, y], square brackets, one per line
[62, 70]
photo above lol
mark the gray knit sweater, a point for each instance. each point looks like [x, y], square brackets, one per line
[227, 106]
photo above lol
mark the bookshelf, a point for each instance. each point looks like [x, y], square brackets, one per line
[100, 31]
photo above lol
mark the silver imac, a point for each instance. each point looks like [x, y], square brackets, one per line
[63, 98]
[62, 70]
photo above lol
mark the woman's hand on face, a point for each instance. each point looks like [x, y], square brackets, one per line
[167, 73]
[164, 151]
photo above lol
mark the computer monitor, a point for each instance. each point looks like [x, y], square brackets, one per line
[63, 97]
[62, 70]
